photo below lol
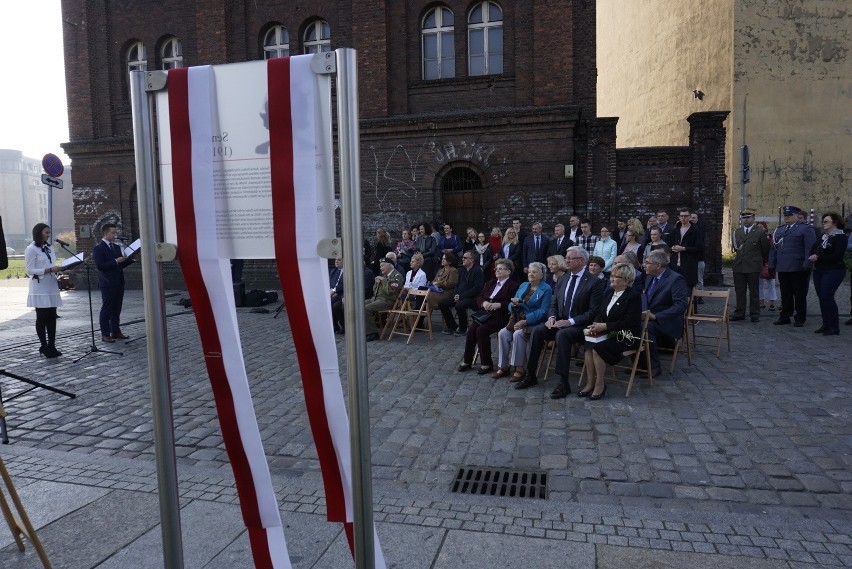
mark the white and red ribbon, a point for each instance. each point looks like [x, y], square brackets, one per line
[300, 150]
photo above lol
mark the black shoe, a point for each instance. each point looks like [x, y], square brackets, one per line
[600, 395]
[583, 393]
[448, 332]
[52, 349]
[849, 322]
[484, 370]
[782, 321]
[561, 392]
[460, 332]
[737, 318]
[372, 337]
[527, 383]
[798, 324]
[755, 318]
[832, 332]
[42, 350]
[819, 330]
[464, 367]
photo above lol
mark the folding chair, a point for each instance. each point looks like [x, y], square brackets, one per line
[718, 316]
[415, 307]
[388, 315]
[634, 355]
[549, 352]
[682, 345]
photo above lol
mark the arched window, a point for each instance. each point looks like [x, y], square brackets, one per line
[136, 57]
[317, 37]
[463, 197]
[439, 46]
[171, 54]
[485, 39]
[276, 42]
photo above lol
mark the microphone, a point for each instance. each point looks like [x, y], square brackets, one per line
[63, 243]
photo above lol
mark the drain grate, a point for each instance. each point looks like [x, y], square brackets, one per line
[500, 482]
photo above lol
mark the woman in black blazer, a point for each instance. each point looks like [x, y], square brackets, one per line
[511, 250]
[620, 319]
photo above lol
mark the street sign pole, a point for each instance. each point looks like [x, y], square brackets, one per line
[54, 168]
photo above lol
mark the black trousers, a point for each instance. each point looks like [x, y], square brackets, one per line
[794, 294]
[46, 326]
[446, 307]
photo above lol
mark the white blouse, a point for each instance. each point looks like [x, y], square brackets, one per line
[615, 296]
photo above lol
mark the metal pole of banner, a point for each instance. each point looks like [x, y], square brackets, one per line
[143, 85]
[353, 282]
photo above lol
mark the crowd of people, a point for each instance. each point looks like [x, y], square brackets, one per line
[529, 288]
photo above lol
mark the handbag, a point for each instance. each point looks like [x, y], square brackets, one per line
[482, 316]
[764, 274]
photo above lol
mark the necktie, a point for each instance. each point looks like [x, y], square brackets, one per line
[651, 287]
[537, 244]
[558, 243]
[569, 296]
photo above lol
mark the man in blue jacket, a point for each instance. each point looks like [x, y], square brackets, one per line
[110, 261]
[666, 298]
[788, 257]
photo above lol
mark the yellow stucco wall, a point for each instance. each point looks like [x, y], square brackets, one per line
[783, 69]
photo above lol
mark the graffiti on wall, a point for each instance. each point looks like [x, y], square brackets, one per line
[88, 200]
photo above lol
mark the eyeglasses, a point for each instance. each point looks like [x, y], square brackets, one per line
[499, 268]
[574, 259]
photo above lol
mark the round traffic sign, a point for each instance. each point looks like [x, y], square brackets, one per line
[52, 165]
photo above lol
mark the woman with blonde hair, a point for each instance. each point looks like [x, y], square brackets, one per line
[620, 320]
[557, 267]
[510, 249]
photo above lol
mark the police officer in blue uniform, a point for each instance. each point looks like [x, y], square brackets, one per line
[792, 242]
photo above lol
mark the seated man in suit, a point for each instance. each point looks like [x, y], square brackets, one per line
[576, 300]
[471, 280]
[666, 298]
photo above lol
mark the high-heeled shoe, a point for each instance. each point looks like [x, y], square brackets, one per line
[52, 349]
[42, 350]
[584, 393]
[600, 395]
[49, 353]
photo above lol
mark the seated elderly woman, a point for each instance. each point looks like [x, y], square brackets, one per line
[492, 314]
[557, 267]
[415, 278]
[444, 283]
[596, 266]
[620, 321]
[528, 308]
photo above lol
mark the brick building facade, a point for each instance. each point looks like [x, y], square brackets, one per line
[471, 112]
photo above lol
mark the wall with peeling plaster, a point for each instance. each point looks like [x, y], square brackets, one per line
[782, 68]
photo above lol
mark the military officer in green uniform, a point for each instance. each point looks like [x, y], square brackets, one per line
[387, 288]
[752, 249]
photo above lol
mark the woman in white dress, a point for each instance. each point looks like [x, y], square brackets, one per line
[44, 291]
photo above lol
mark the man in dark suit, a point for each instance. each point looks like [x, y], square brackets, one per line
[535, 248]
[522, 233]
[575, 302]
[559, 244]
[110, 262]
[666, 298]
[471, 280]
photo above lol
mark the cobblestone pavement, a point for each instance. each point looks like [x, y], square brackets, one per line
[744, 455]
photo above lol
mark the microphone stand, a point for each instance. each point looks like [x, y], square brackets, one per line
[93, 348]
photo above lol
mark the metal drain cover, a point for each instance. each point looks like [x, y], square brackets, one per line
[500, 482]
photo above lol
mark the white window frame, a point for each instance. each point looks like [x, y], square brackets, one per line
[281, 45]
[174, 61]
[439, 31]
[320, 44]
[486, 25]
[141, 61]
